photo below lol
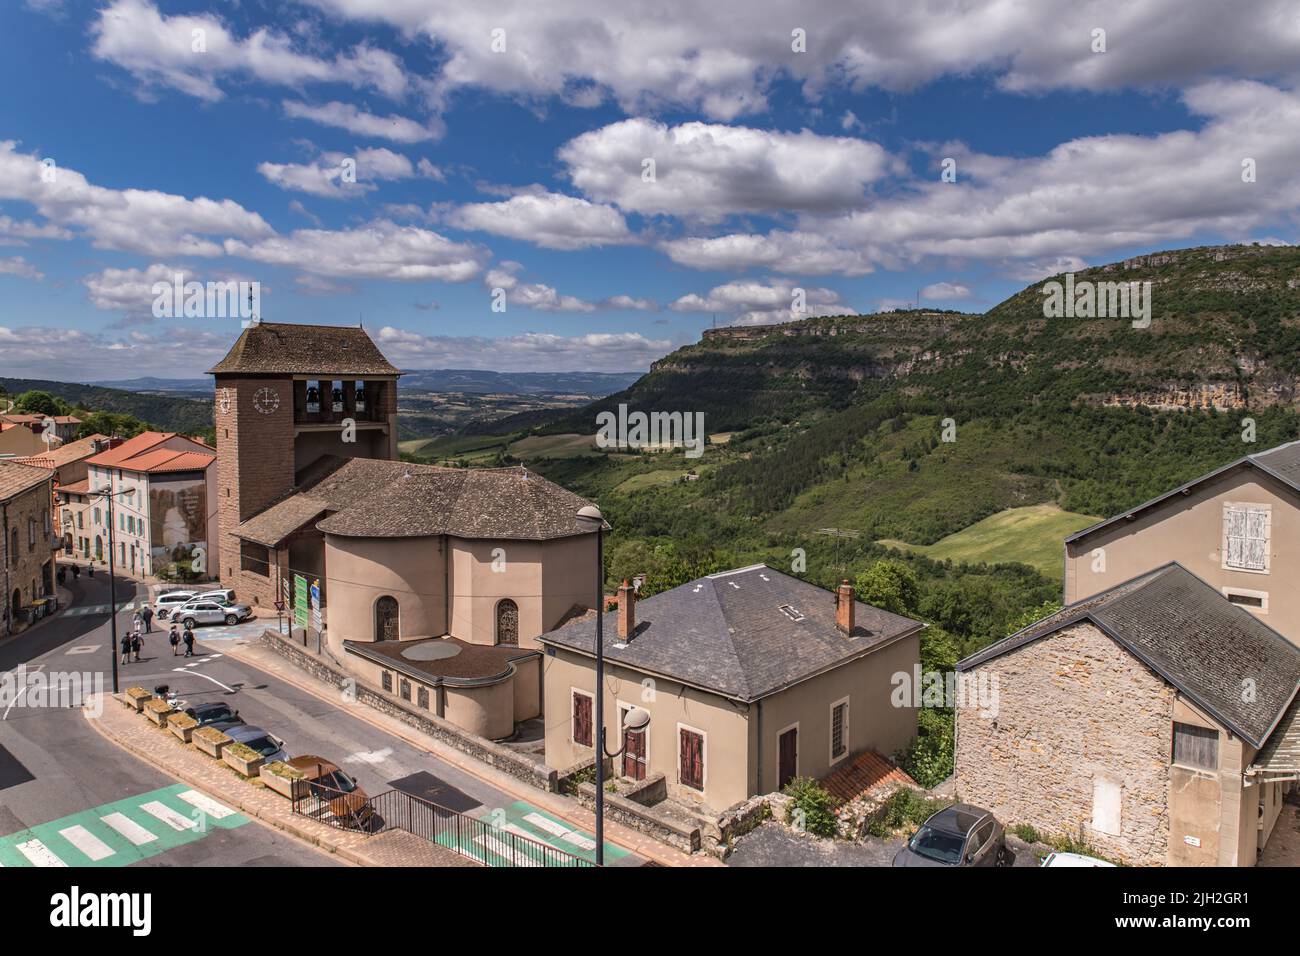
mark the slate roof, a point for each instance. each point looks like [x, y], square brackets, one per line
[291, 349]
[16, 478]
[727, 633]
[373, 498]
[1193, 637]
[1281, 462]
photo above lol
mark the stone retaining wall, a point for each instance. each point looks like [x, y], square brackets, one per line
[648, 820]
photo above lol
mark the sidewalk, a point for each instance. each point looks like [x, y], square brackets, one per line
[159, 748]
[561, 806]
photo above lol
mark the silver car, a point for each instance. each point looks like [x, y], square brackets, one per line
[211, 612]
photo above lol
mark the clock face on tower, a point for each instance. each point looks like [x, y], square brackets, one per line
[223, 401]
[266, 400]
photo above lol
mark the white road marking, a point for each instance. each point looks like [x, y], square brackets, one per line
[83, 649]
[517, 855]
[183, 670]
[128, 828]
[168, 816]
[39, 854]
[205, 803]
[85, 841]
[578, 840]
[547, 824]
[370, 756]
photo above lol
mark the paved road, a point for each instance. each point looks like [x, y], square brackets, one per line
[308, 725]
[54, 769]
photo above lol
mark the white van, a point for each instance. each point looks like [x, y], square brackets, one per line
[164, 604]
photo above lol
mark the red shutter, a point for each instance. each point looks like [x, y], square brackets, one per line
[692, 759]
[582, 719]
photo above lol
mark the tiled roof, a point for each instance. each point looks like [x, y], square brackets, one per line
[862, 775]
[36, 461]
[16, 478]
[1196, 639]
[24, 418]
[113, 457]
[77, 487]
[728, 633]
[168, 459]
[373, 498]
[72, 451]
[286, 348]
[1282, 462]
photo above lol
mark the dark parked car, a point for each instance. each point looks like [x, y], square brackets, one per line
[217, 711]
[960, 835]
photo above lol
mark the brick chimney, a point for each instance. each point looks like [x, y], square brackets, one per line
[844, 599]
[626, 611]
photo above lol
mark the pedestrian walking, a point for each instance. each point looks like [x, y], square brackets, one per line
[126, 647]
[136, 640]
[90, 569]
[189, 641]
[175, 640]
[76, 571]
[147, 615]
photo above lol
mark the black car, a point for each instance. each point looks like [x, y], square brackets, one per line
[215, 712]
[960, 835]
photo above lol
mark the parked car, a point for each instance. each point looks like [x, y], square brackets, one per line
[199, 611]
[220, 595]
[164, 604]
[213, 713]
[344, 798]
[268, 745]
[1073, 859]
[960, 835]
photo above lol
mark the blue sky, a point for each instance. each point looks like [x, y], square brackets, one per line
[521, 169]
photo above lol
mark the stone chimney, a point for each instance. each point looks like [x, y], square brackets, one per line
[844, 599]
[626, 611]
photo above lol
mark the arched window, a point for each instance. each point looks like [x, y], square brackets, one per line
[386, 619]
[508, 623]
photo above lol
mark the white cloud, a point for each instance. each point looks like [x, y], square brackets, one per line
[631, 303]
[550, 220]
[377, 250]
[763, 303]
[20, 267]
[325, 177]
[804, 253]
[708, 171]
[532, 351]
[945, 290]
[532, 295]
[398, 129]
[193, 53]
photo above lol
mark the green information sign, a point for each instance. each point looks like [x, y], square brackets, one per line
[300, 601]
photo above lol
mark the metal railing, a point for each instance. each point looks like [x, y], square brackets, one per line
[396, 810]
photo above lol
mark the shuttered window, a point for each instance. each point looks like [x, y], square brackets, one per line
[1196, 747]
[581, 719]
[839, 730]
[692, 759]
[1245, 536]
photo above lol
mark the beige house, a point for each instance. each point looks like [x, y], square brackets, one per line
[751, 677]
[28, 543]
[1236, 528]
[1156, 721]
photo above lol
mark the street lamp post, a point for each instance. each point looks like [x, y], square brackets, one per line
[112, 580]
[637, 719]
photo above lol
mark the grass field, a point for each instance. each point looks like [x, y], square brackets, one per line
[555, 446]
[1032, 535]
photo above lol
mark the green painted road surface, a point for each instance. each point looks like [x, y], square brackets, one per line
[121, 833]
[525, 820]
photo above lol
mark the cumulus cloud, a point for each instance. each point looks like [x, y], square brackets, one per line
[20, 267]
[764, 303]
[550, 220]
[70, 355]
[193, 53]
[378, 250]
[945, 290]
[707, 171]
[532, 351]
[337, 175]
[345, 116]
[532, 295]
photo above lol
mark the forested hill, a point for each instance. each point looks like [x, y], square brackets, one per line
[1224, 333]
[188, 416]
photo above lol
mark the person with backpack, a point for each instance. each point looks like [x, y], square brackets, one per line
[174, 640]
[189, 641]
[136, 639]
[126, 647]
[146, 615]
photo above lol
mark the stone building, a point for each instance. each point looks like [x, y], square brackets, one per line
[751, 677]
[29, 542]
[1155, 721]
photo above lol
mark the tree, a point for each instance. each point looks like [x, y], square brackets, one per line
[39, 403]
[891, 586]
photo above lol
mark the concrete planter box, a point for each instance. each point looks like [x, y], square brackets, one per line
[279, 776]
[244, 760]
[182, 726]
[158, 711]
[210, 740]
[136, 698]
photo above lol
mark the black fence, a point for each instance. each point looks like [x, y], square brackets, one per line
[396, 810]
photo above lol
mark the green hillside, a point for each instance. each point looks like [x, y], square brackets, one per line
[184, 415]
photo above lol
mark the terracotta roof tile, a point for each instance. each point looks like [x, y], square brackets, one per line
[863, 774]
[141, 443]
[16, 478]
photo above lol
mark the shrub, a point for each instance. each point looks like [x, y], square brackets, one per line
[904, 808]
[929, 761]
[1027, 833]
[816, 805]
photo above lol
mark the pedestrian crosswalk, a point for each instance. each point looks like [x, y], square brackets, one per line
[120, 833]
[81, 609]
[524, 820]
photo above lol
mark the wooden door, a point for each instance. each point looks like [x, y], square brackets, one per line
[634, 754]
[788, 757]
